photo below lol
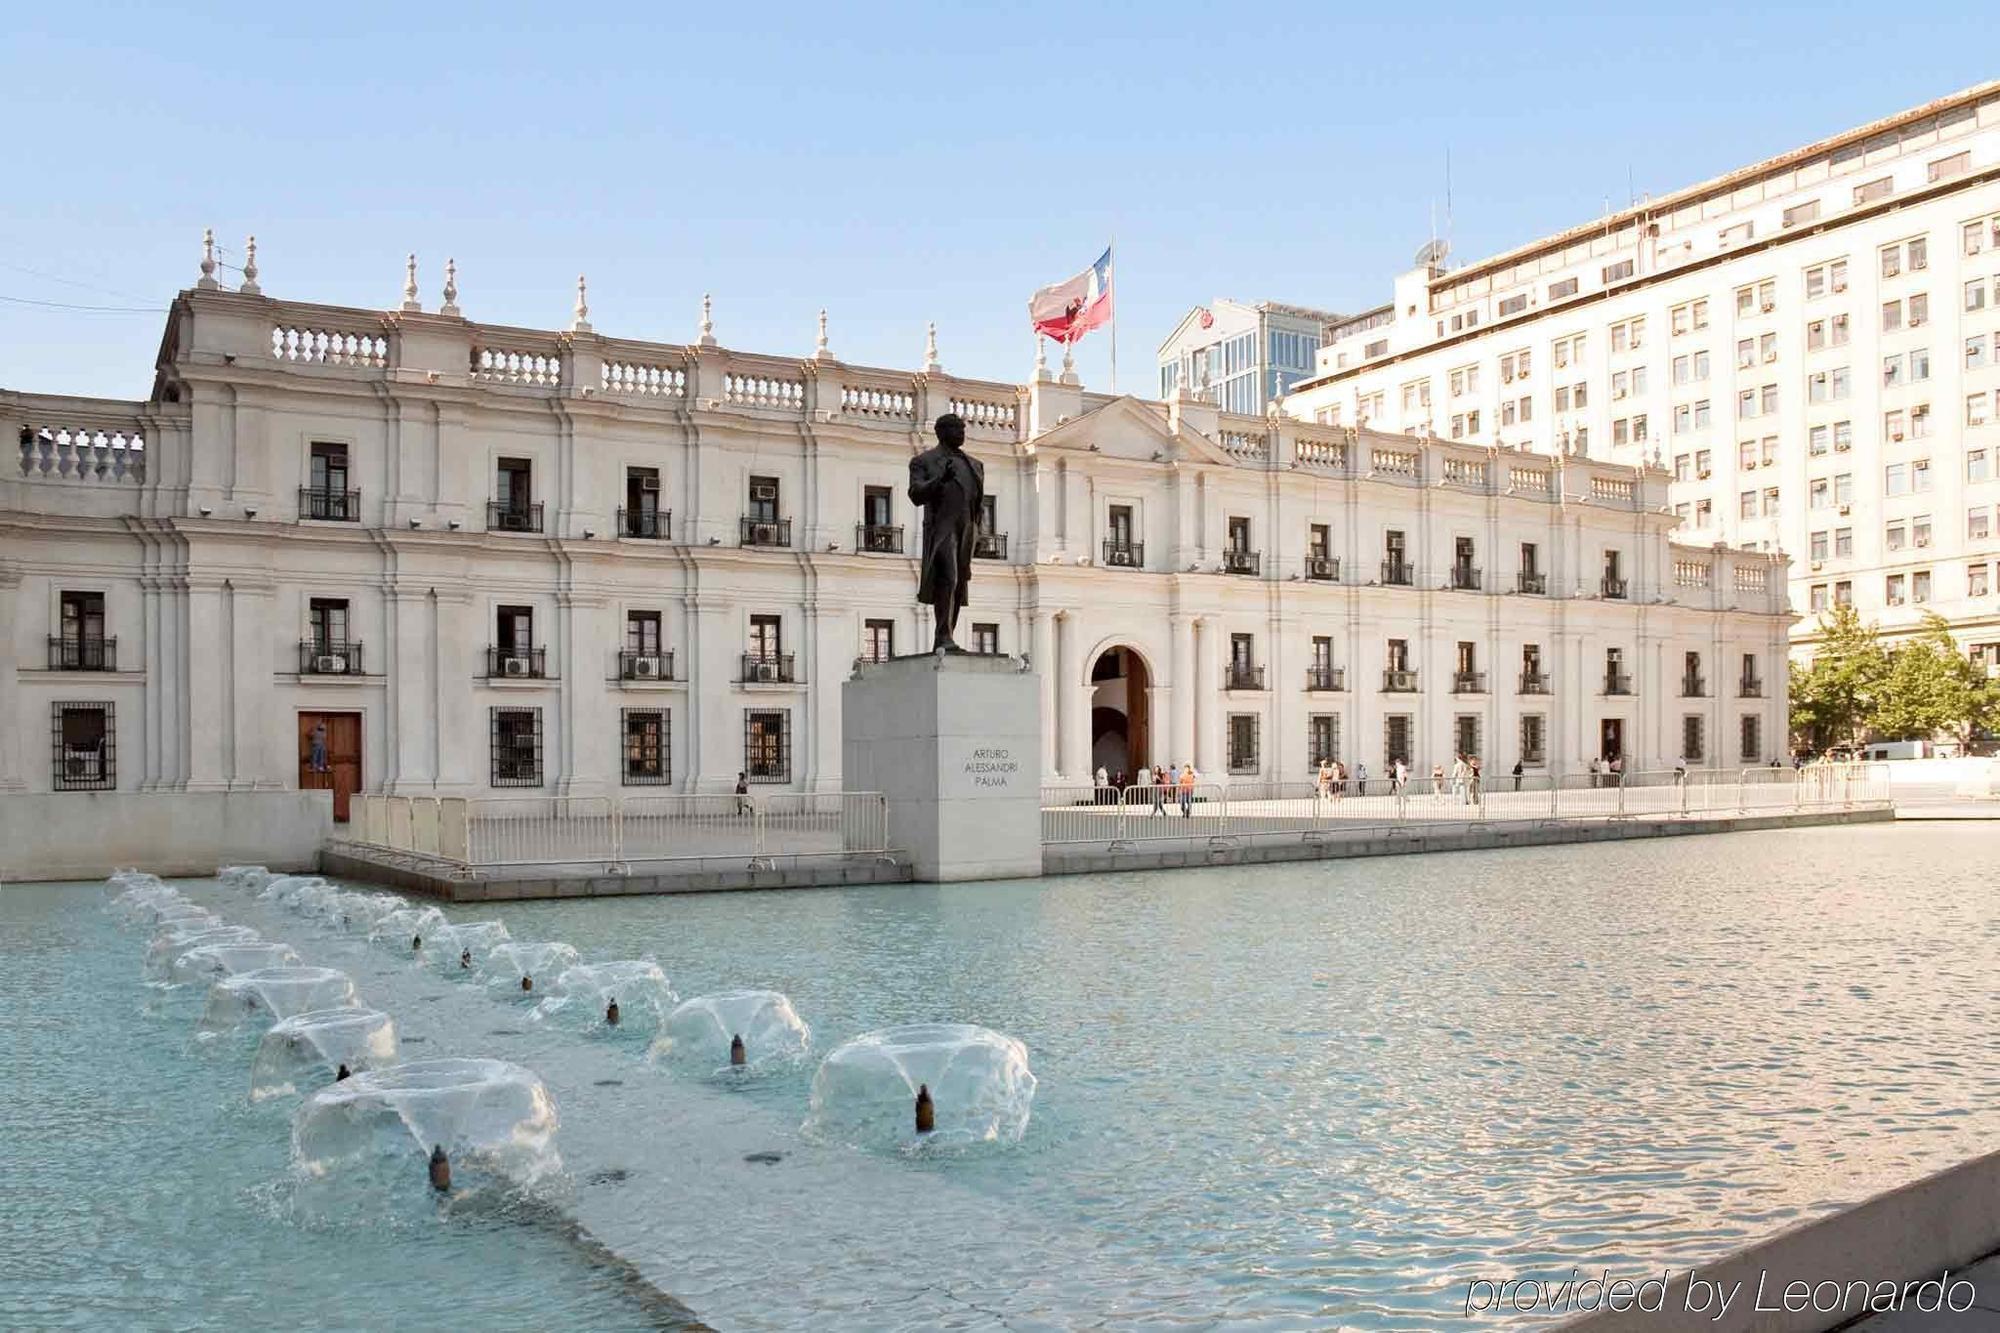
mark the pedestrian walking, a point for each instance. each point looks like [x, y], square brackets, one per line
[1517, 775]
[1187, 790]
[1361, 778]
[1159, 791]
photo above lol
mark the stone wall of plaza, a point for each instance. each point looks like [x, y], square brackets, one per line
[1810, 345]
[481, 587]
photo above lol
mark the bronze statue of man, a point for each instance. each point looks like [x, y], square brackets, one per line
[950, 485]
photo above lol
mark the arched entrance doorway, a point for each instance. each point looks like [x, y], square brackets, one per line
[1120, 712]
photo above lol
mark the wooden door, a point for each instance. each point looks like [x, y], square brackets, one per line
[330, 757]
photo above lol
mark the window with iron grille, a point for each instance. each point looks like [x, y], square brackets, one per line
[647, 758]
[767, 745]
[1693, 738]
[1243, 742]
[1322, 738]
[878, 640]
[986, 638]
[517, 747]
[85, 747]
[1465, 734]
[1395, 739]
[1534, 738]
[1752, 749]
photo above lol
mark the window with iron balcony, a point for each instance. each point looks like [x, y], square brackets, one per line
[1321, 678]
[329, 657]
[879, 538]
[769, 669]
[645, 664]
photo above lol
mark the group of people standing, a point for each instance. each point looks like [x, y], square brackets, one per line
[1164, 784]
[1466, 783]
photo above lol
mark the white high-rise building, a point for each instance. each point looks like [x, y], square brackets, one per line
[1810, 344]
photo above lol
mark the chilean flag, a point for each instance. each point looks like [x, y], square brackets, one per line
[1068, 310]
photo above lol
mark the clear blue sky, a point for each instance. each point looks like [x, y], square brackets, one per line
[893, 164]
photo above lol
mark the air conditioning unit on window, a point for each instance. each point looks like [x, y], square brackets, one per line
[514, 666]
[330, 664]
[1842, 447]
[1771, 355]
[1818, 565]
[1923, 542]
[1845, 510]
[646, 668]
[1702, 475]
[1767, 307]
[767, 671]
[764, 490]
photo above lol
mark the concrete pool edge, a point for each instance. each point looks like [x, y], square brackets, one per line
[1946, 1221]
[403, 872]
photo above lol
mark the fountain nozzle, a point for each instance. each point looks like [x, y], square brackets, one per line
[440, 1170]
[527, 983]
[926, 1113]
[465, 958]
[611, 1014]
[342, 1073]
[416, 943]
[738, 1055]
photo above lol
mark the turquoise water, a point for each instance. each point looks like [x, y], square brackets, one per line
[1301, 1096]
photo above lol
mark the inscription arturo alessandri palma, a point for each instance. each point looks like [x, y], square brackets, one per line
[991, 766]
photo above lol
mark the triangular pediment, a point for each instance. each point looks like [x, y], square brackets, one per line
[1133, 429]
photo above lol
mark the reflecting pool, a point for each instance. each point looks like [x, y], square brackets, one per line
[1321, 1094]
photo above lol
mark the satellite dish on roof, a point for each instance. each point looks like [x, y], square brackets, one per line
[1432, 255]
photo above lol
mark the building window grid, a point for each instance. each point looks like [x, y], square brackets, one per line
[646, 755]
[83, 746]
[767, 745]
[516, 747]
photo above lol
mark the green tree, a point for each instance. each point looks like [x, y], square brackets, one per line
[1933, 687]
[1834, 695]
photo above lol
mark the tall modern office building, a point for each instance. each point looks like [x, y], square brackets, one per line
[1244, 356]
[1807, 343]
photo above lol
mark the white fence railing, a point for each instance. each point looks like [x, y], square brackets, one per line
[1208, 810]
[603, 831]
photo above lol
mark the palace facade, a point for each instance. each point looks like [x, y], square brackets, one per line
[402, 551]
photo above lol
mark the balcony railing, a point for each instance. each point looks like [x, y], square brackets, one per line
[1125, 554]
[1468, 682]
[1397, 573]
[329, 657]
[1399, 681]
[1326, 678]
[766, 532]
[1465, 578]
[504, 516]
[1534, 682]
[879, 538]
[1243, 676]
[1617, 684]
[1693, 687]
[989, 546]
[88, 653]
[1241, 562]
[1530, 582]
[649, 524]
[516, 663]
[1750, 688]
[768, 669]
[1614, 587]
[325, 505]
[634, 664]
[1323, 568]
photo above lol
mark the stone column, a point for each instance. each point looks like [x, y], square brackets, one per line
[1206, 760]
[208, 689]
[263, 738]
[457, 644]
[1181, 683]
[715, 706]
[588, 711]
[1043, 656]
[408, 664]
[11, 773]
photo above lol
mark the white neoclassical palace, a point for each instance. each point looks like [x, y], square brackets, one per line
[405, 552]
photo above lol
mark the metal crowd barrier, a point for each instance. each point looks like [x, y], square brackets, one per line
[1088, 813]
[602, 830]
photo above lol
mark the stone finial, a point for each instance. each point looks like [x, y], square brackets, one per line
[707, 338]
[580, 323]
[410, 301]
[1041, 358]
[931, 365]
[1069, 362]
[820, 351]
[450, 306]
[207, 282]
[250, 287]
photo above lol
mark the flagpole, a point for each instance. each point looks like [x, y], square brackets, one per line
[1113, 275]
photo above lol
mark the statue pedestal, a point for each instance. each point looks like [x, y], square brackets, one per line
[954, 744]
